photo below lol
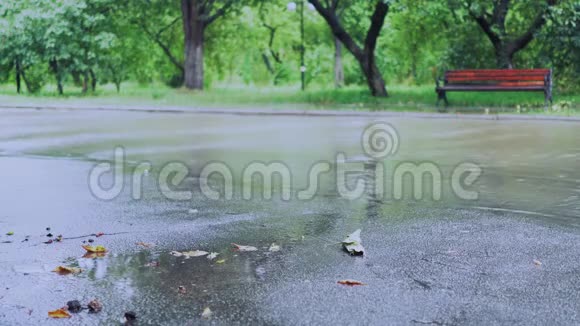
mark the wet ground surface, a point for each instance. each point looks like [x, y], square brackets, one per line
[510, 257]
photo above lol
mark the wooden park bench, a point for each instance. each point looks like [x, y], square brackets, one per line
[502, 80]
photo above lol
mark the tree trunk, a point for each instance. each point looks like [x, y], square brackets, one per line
[372, 74]
[268, 64]
[504, 57]
[118, 86]
[193, 28]
[26, 82]
[374, 78]
[414, 60]
[18, 83]
[365, 56]
[85, 82]
[57, 76]
[338, 68]
[495, 29]
[93, 80]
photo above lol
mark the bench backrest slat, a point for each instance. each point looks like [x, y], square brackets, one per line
[508, 77]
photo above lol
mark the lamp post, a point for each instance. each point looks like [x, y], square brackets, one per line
[292, 7]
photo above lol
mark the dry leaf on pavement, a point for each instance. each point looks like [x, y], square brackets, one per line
[206, 314]
[274, 247]
[64, 270]
[194, 253]
[145, 244]
[59, 313]
[95, 249]
[353, 244]
[350, 282]
[212, 255]
[95, 306]
[244, 248]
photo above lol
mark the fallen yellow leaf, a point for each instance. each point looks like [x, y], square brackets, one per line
[64, 270]
[59, 313]
[95, 249]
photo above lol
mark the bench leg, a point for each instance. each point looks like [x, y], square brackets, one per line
[442, 95]
[547, 98]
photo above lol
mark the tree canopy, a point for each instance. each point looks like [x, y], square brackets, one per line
[197, 43]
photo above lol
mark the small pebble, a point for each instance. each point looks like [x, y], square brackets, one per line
[130, 316]
[74, 306]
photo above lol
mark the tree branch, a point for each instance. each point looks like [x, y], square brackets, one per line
[157, 39]
[486, 27]
[218, 13]
[522, 41]
[272, 30]
[337, 29]
[377, 21]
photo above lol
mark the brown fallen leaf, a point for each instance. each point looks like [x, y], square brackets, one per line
[65, 270]
[95, 306]
[59, 313]
[350, 282]
[144, 244]
[243, 248]
[91, 255]
[95, 249]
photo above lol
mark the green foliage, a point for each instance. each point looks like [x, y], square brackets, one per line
[559, 45]
[62, 41]
[35, 78]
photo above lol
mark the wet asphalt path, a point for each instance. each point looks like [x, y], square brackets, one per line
[511, 257]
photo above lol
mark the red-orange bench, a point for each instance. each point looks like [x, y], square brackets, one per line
[494, 80]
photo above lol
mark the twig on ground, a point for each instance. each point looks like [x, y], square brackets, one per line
[427, 322]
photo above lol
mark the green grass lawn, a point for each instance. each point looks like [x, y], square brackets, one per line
[402, 98]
